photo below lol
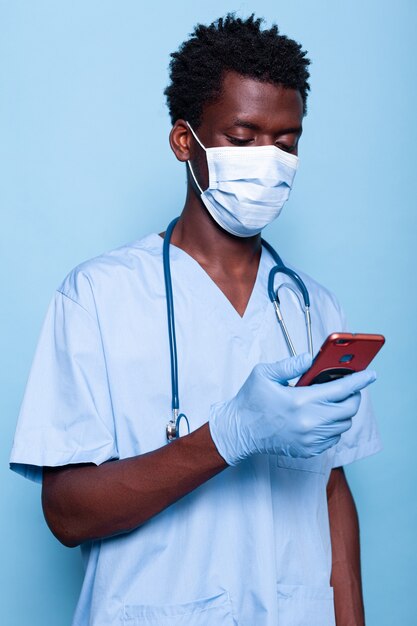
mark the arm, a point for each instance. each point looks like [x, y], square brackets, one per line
[89, 502]
[83, 502]
[346, 571]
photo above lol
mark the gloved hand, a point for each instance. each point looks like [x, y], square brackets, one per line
[268, 416]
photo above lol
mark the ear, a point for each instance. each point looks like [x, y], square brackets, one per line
[180, 140]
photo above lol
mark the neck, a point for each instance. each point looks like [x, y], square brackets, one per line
[202, 238]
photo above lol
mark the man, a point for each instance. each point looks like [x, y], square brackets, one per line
[229, 524]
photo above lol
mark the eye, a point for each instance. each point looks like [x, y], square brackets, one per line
[285, 147]
[237, 141]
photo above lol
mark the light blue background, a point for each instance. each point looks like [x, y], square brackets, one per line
[85, 166]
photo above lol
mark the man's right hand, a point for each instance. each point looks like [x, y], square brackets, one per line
[268, 416]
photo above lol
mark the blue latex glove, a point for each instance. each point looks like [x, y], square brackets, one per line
[268, 416]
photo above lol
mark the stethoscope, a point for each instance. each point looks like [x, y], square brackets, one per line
[173, 426]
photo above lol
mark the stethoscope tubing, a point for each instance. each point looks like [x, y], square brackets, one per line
[171, 316]
[172, 430]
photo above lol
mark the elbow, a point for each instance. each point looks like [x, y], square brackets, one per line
[64, 536]
[61, 529]
[66, 540]
[59, 523]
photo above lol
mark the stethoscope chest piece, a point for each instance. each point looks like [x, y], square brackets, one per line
[172, 430]
[173, 426]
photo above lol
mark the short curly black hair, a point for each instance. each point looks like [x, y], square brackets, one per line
[231, 44]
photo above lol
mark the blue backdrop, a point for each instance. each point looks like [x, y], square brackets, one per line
[85, 166]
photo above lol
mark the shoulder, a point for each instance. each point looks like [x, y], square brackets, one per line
[110, 270]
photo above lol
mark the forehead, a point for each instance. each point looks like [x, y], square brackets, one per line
[249, 99]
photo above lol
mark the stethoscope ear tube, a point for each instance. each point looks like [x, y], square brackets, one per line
[280, 268]
[284, 328]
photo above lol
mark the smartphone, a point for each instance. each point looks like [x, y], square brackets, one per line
[342, 354]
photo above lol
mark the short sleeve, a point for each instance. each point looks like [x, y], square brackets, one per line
[362, 439]
[66, 415]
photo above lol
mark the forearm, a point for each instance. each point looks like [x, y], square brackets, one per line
[346, 570]
[88, 502]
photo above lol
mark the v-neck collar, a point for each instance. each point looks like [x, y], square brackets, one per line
[177, 253]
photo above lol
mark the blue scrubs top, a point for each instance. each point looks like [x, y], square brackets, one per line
[250, 546]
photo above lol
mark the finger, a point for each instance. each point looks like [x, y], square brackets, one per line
[332, 441]
[343, 426]
[282, 371]
[334, 429]
[338, 390]
[322, 446]
[344, 409]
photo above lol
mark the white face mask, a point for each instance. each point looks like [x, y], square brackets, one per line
[247, 186]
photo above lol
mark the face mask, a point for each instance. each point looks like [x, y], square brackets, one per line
[247, 186]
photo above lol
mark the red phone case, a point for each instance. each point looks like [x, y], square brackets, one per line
[342, 354]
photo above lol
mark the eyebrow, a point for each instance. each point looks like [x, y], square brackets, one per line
[251, 126]
[243, 124]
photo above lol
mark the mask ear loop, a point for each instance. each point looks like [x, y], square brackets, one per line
[188, 161]
[195, 137]
[193, 175]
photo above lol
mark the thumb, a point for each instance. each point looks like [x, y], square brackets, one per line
[285, 370]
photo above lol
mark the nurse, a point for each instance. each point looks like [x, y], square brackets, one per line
[248, 519]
